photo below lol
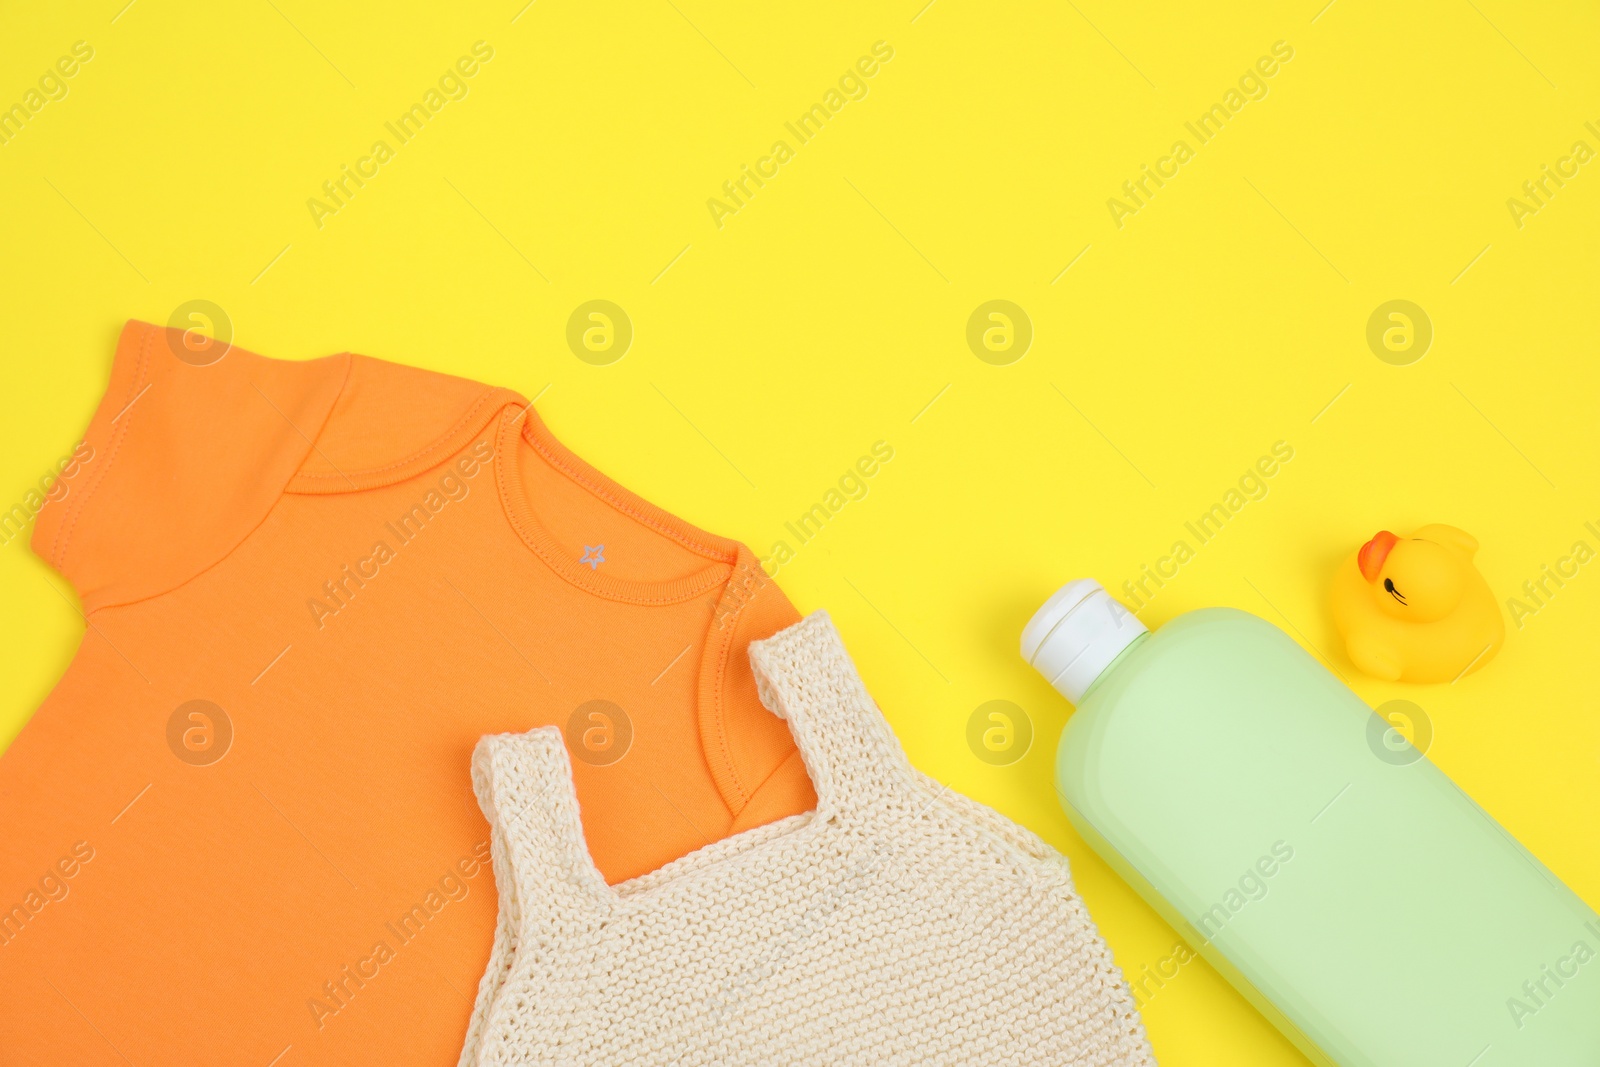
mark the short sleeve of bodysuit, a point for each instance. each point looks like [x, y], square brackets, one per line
[187, 458]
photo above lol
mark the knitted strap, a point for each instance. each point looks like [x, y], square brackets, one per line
[524, 785]
[804, 675]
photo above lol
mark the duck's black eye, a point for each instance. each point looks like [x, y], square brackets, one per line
[1388, 586]
[1388, 583]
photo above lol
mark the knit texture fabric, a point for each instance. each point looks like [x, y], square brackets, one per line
[898, 924]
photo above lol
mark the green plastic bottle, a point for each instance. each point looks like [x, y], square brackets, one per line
[1343, 883]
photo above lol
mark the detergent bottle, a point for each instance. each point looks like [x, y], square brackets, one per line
[1321, 863]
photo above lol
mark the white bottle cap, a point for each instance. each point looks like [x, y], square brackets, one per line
[1077, 634]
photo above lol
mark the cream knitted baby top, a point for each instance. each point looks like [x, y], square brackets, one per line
[898, 924]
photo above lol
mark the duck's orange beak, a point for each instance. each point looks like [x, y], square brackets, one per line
[1374, 552]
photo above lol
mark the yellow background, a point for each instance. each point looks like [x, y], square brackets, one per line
[772, 352]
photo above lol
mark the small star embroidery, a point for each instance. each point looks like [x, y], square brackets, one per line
[593, 555]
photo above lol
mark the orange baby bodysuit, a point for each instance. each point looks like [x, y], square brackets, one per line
[241, 828]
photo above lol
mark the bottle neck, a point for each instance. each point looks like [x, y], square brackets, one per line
[1110, 668]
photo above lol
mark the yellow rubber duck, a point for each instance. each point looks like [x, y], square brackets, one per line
[1415, 609]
